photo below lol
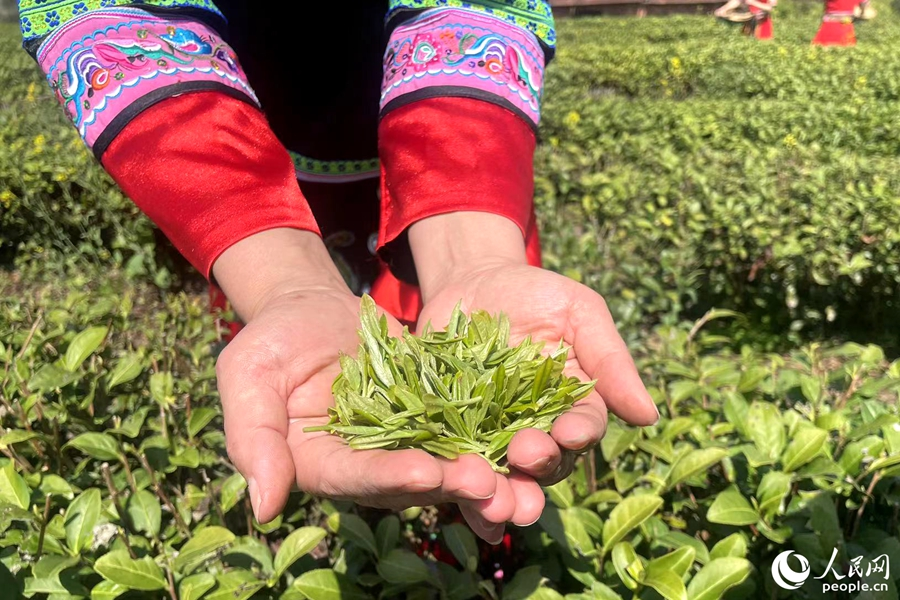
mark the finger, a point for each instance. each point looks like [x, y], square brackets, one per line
[256, 424]
[533, 452]
[604, 357]
[492, 533]
[529, 499]
[327, 466]
[563, 470]
[581, 426]
[500, 507]
[468, 477]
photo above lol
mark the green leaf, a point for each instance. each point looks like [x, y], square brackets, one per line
[52, 565]
[523, 585]
[667, 583]
[54, 485]
[326, 584]
[81, 516]
[617, 440]
[807, 443]
[128, 368]
[145, 513]
[677, 539]
[627, 515]
[731, 508]
[720, 575]
[735, 545]
[193, 587]
[252, 554]
[50, 377]
[237, 584]
[658, 447]
[133, 423]
[13, 488]
[107, 590]
[162, 387]
[561, 494]
[83, 345]
[16, 436]
[678, 562]
[353, 528]
[811, 387]
[462, 544]
[402, 566]
[772, 489]
[200, 418]
[232, 491]
[628, 565]
[300, 542]
[202, 547]
[693, 463]
[766, 429]
[387, 534]
[101, 446]
[142, 574]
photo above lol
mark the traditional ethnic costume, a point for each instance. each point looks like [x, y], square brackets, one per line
[837, 24]
[762, 22]
[433, 104]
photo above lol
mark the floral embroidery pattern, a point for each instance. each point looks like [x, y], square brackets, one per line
[460, 49]
[535, 16]
[101, 63]
[38, 18]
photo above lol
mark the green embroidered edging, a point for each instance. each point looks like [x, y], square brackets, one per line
[535, 16]
[337, 168]
[37, 19]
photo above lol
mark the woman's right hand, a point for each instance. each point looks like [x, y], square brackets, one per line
[275, 380]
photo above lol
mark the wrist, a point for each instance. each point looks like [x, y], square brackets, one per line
[271, 264]
[456, 246]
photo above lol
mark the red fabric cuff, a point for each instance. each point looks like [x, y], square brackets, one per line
[442, 155]
[207, 169]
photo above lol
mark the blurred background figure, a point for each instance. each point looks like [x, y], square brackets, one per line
[754, 16]
[837, 23]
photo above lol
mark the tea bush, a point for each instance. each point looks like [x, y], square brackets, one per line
[113, 478]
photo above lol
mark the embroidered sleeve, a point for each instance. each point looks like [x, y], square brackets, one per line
[492, 50]
[107, 64]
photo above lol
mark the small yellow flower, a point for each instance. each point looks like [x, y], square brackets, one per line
[572, 119]
[6, 198]
[789, 141]
[31, 89]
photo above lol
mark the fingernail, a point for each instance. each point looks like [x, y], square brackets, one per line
[255, 498]
[470, 495]
[496, 541]
[543, 463]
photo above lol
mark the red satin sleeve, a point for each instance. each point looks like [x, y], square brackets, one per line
[209, 171]
[449, 154]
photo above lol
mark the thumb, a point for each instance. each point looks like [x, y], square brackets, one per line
[256, 426]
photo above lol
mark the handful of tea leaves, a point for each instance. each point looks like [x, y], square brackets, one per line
[462, 390]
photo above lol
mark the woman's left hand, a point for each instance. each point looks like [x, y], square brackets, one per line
[548, 307]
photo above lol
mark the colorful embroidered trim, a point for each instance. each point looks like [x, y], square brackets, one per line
[535, 16]
[106, 64]
[38, 18]
[463, 53]
[335, 171]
